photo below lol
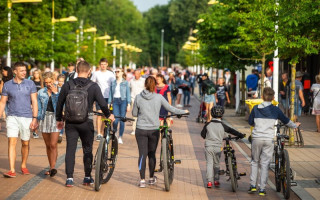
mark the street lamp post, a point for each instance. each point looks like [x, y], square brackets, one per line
[92, 30]
[10, 2]
[105, 38]
[114, 42]
[53, 21]
[162, 37]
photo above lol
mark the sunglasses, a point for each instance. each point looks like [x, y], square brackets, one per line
[117, 71]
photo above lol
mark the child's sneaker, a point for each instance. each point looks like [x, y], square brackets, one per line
[216, 183]
[142, 184]
[153, 180]
[262, 192]
[209, 185]
[69, 182]
[87, 181]
[252, 189]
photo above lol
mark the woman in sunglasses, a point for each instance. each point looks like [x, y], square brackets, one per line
[120, 98]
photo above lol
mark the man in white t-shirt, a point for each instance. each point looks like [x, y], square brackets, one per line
[136, 87]
[103, 78]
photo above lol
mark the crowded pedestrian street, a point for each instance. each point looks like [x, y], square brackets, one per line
[189, 178]
[159, 99]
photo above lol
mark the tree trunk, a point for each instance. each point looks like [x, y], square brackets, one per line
[293, 91]
[243, 85]
[262, 74]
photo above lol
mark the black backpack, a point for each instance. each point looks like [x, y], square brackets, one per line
[76, 105]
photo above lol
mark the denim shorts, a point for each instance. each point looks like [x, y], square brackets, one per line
[209, 98]
[297, 108]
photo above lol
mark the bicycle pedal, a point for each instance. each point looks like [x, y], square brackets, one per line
[111, 166]
[293, 183]
[178, 162]
[222, 172]
[243, 174]
[157, 170]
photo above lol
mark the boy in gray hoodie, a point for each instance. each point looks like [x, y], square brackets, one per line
[263, 118]
[213, 132]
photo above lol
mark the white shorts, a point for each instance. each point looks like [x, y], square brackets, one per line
[16, 125]
[180, 91]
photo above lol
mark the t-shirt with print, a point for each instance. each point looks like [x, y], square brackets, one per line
[104, 80]
[19, 97]
[221, 91]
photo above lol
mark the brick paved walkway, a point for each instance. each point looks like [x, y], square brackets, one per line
[189, 180]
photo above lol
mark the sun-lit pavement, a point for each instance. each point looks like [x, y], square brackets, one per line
[189, 181]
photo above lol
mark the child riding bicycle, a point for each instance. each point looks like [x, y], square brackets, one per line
[213, 132]
[263, 118]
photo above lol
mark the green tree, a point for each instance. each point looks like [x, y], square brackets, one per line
[216, 32]
[298, 36]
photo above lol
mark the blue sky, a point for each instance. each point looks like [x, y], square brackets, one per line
[144, 5]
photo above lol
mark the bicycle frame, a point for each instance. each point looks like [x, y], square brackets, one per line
[164, 129]
[229, 151]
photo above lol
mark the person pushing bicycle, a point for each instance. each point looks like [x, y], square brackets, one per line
[213, 132]
[263, 118]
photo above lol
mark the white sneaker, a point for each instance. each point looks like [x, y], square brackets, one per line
[120, 140]
[179, 106]
[132, 133]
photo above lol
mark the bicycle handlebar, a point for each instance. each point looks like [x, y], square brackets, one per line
[233, 138]
[283, 136]
[124, 119]
[174, 115]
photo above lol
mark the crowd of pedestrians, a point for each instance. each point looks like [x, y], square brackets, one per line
[51, 103]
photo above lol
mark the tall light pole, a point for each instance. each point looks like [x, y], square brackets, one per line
[10, 2]
[162, 37]
[105, 38]
[114, 42]
[275, 75]
[92, 30]
[53, 21]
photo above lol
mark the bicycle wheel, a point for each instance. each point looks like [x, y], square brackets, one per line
[299, 137]
[286, 174]
[164, 150]
[112, 154]
[100, 164]
[232, 174]
[277, 172]
[171, 162]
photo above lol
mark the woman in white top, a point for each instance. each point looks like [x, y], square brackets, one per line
[315, 89]
[120, 98]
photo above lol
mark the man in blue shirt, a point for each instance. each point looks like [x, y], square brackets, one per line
[252, 82]
[299, 102]
[21, 96]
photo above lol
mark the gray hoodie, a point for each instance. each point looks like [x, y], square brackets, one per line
[147, 108]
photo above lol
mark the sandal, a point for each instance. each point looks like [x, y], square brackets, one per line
[53, 172]
[47, 173]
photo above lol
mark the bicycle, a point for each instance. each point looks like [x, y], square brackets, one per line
[167, 160]
[107, 152]
[283, 173]
[298, 135]
[230, 160]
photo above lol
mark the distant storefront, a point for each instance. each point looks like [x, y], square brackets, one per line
[309, 65]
